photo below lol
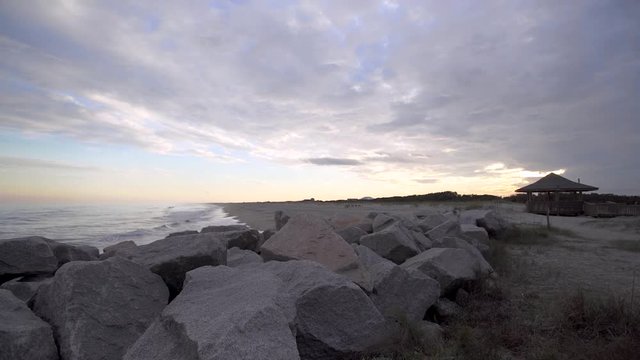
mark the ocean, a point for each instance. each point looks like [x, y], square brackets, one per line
[104, 225]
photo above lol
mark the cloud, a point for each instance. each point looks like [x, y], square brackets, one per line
[327, 161]
[531, 85]
[8, 162]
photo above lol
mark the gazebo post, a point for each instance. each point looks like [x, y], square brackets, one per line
[548, 209]
[557, 196]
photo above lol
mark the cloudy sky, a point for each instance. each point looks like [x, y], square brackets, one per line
[283, 100]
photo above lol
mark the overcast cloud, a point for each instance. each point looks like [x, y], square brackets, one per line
[418, 89]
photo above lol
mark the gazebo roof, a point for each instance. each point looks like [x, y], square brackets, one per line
[553, 182]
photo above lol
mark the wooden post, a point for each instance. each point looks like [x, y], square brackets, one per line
[548, 209]
[557, 196]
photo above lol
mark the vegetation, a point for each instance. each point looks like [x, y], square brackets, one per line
[534, 235]
[628, 245]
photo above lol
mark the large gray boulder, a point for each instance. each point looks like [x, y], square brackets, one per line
[308, 237]
[398, 292]
[26, 256]
[182, 233]
[99, 308]
[238, 257]
[393, 243]
[352, 234]
[450, 267]
[172, 257]
[245, 239]
[223, 314]
[26, 287]
[334, 318]
[448, 228]
[495, 224]
[430, 221]
[224, 228]
[280, 219]
[477, 234]
[23, 335]
[454, 242]
[382, 221]
[119, 248]
[67, 252]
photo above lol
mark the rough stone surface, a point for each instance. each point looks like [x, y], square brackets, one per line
[280, 219]
[478, 234]
[334, 317]
[99, 308]
[393, 243]
[66, 252]
[26, 256]
[343, 221]
[450, 267]
[366, 226]
[26, 287]
[307, 237]
[423, 242]
[448, 228]
[23, 335]
[382, 221]
[119, 248]
[221, 314]
[446, 309]
[432, 334]
[430, 221]
[238, 257]
[453, 242]
[493, 223]
[462, 297]
[224, 228]
[172, 257]
[245, 239]
[352, 234]
[397, 291]
[181, 233]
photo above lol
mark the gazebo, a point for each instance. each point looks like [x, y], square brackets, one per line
[567, 196]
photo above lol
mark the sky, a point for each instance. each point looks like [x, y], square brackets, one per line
[224, 101]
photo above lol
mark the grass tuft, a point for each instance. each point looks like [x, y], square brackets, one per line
[627, 245]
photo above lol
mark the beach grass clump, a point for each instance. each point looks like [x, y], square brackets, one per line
[534, 235]
[627, 245]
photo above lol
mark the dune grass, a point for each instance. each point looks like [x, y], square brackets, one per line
[627, 245]
[534, 235]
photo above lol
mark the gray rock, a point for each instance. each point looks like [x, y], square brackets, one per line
[181, 233]
[453, 242]
[23, 335]
[26, 287]
[224, 228]
[382, 221]
[448, 228]
[450, 267]
[493, 223]
[477, 234]
[66, 252]
[366, 226]
[462, 297]
[246, 239]
[308, 237]
[238, 257]
[99, 308]
[431, 221]
[398, 292]
[423, 242]
[172, 257]
[446, 309]
[223, 313]
[334, 317]
[392, 243]
[352, 234]
[372, 215]
[280, 219]
[432, 335]
[26, 256]
[266, 235]
[119, 248]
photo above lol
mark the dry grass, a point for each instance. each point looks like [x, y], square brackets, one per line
[627, 245]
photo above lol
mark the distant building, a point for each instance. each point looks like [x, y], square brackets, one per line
[555, 195]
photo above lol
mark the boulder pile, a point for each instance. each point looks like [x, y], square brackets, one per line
[314, 288]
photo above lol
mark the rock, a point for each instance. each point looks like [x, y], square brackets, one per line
[246, 239]
[372, 215]
[66, 252]
[266, 235]
[462, 297]
[223, 313]
[181, 233]
[452, 242]
[448, 228]
[432, 334]
[26, 287]
[493, 223]
[23, 335]
[431, 221]
[334, 318]
[396, 291]
[352, 234]
[238, 257]
[477, 234]
[172, 257]
[224, 228]
[366, 226]
[119, 248]
[382, 221]
[99, 308]
[450, 267]
[392, 243]
[446, 309]
[26, 256]
[471, 216]
[343, 221]
[308, 237]
[281, 219]
[423, 242]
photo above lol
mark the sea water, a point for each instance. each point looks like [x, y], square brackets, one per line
[104, 225]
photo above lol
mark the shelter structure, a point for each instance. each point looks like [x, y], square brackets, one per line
[566, 198]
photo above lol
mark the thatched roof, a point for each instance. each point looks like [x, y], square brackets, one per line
[553, 182]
